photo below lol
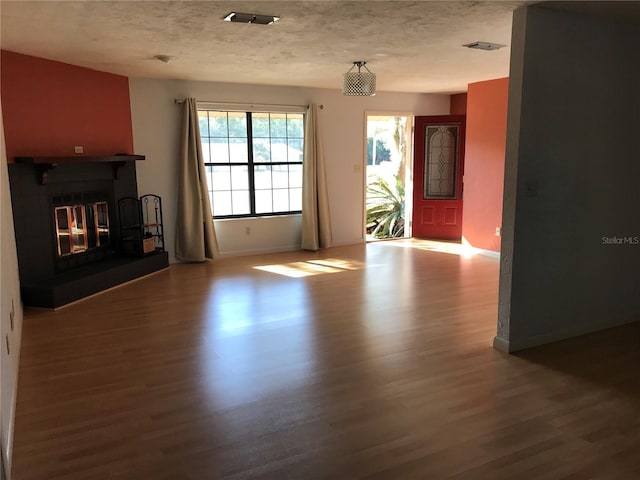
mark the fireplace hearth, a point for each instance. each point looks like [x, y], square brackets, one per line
[67, 226]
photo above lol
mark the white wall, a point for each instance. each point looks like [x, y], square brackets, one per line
[156, 130]
[10, 287]
[572, 170]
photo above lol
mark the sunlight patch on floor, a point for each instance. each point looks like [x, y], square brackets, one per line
[462, 249]
[311, 267]
[337, 263]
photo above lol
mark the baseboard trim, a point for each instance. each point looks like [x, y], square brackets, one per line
[487, 253]
[359, 241]
[260, 251]
[286, 248]
[479, 251]
[501, 344]
[511, 345]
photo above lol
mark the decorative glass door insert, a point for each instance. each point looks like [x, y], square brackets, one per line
[440, 166]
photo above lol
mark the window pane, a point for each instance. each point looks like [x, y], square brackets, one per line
[209, 174]
[295, 175]
[219, 150]
[237, 124]
[203, 123]
[240, 200]
[278, 125]
[280, 176]
[260, 124]
[238, 150]
[262, 177]
[279, 149]
[240, 178]
[295, 150]
[221, 178]
[295, 199]
[218, 124]
[261, 150]
[281, 200]
[205, 150]
[295, 126]
[263, 201]
[221, 203]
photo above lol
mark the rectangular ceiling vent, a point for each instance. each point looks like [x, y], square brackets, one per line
[250, 18]
[484, 45]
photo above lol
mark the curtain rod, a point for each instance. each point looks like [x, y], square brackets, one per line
[231, 104]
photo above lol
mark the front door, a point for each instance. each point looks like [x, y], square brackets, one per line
[437, 177]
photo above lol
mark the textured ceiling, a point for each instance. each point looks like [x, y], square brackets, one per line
[411, 46]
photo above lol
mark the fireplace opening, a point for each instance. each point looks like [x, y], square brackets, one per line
[82, 229]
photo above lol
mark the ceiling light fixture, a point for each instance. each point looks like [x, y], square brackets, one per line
[251, 18]
[484, 45]
[359, 84]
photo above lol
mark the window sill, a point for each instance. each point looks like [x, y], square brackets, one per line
[261, 217]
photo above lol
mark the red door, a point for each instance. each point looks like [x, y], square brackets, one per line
[437, 177]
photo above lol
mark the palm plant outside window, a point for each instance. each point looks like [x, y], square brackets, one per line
[253, 162]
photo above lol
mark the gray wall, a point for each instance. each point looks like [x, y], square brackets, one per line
[572, 173]
[10, 314]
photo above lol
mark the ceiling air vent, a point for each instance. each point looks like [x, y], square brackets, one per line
[250, 18]
[484, 45]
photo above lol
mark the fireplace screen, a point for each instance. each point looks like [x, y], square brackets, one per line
[81, 227]
[101, 222]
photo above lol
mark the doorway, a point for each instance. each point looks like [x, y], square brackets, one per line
[389, 176]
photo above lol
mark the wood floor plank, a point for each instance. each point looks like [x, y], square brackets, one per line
[350, 363]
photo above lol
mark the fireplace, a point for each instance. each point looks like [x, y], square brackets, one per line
[68, 233]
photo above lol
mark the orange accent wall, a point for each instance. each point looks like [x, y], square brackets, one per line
[458, 104]
[49, 107]
[484, 162]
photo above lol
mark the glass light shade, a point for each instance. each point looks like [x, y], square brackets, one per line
[359, 84]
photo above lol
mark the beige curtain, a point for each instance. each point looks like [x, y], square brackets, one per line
[195, 236]
[316, 220]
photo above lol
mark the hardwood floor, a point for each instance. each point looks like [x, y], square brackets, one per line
[356, 362]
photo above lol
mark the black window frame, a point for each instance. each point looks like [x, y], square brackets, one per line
[251, 164]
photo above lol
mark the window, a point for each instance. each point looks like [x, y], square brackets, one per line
[253, 162]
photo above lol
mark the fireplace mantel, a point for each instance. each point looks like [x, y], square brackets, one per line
[44, 164]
